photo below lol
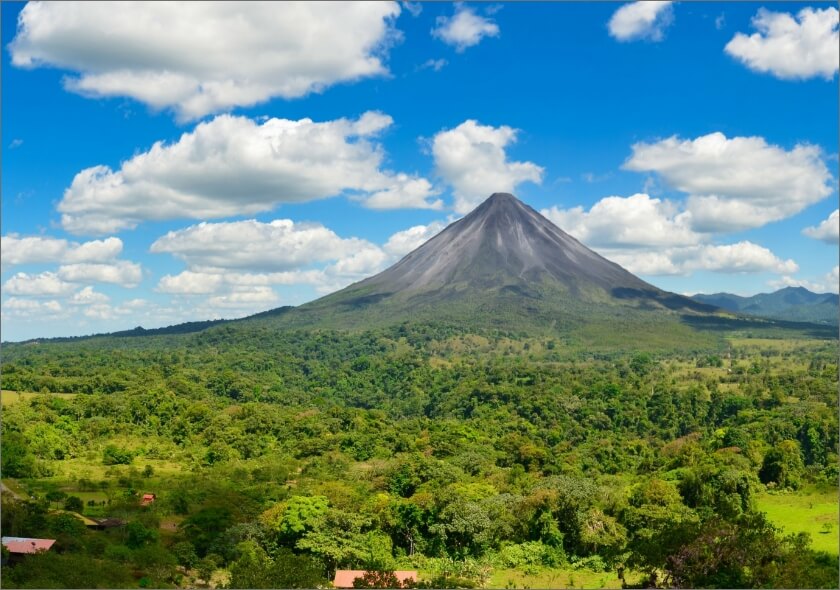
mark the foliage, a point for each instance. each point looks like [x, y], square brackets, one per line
[782, 465]
[382, 579]
[113, 455]
[281, 456]
[74, 504]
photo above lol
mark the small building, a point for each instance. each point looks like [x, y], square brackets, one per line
[147, 499]
[25, 545]
[344, 578]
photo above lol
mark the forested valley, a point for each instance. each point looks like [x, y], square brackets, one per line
[478, 460]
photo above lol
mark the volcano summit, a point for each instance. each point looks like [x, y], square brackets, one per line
[502, 264]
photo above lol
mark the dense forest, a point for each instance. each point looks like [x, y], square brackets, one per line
[277, 457]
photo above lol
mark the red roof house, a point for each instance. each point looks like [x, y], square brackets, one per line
[147, 499]
[21, 545]
[344, 578]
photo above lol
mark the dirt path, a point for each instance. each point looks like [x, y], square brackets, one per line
[6, 490]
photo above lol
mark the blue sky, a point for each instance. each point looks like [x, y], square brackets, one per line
[299, 149]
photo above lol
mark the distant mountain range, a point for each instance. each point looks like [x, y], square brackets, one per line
[791, 303]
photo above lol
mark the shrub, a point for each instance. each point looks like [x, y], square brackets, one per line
[113, 455]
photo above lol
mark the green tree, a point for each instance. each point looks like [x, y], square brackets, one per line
[113, 455]
[17, 461]
[344, 539]
[602, 534]
[51, 569]
[657, 524]
[782, 465]
[207, 565]
[74, 504]
[251, 569]
[748, 553]
[205, 526]
[382, 579]
[138, 535]
[55, 495]
[184, 552]
[296, 516]
[254, 568]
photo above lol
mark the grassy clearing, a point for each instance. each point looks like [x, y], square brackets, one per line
[9, 397]
[91, 468]
[556, 578]
[775, 344]
[813, 511]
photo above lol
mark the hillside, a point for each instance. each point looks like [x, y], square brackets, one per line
[790, 303]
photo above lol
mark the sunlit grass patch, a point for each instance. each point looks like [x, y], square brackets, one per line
[813, 511]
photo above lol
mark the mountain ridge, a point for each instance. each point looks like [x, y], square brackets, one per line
[788, 303]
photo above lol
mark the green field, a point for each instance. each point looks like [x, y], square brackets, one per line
[813, 511]
[8, 397]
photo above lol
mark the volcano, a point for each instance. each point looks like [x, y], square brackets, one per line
[502, 244]
[503, 264]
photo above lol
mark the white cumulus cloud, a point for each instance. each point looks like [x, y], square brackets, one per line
[827, 231]
[738, 183]
[18, 307]
[791, 47]
[403, 242]
[281, 244]
[205, 281]
[191, 283]
[38, 285]
[636, 221]
[121, 272]
[464, 29]
[472, 159]
[650, 236]
[254, 297]
[241, 262]
[645, 262]
[88, 296]
[741, 257]
[234, 166]
[43, 249]
[202, 58]
[226, 257]
[641, 20]
[405, 191]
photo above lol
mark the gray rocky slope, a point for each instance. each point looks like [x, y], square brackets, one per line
[504, 258]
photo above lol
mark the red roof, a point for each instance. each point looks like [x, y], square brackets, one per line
[344, 578]
[147, 499]
[26, 545]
